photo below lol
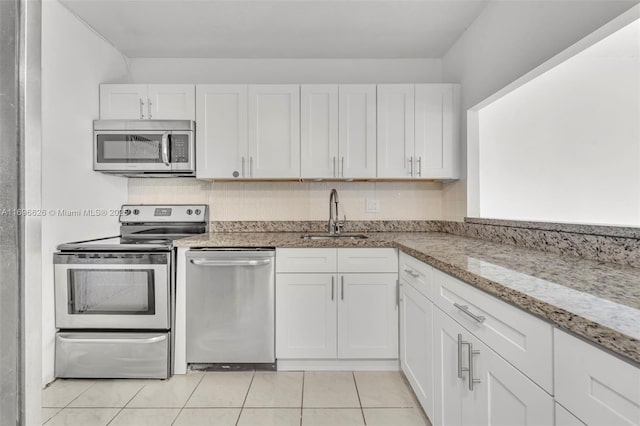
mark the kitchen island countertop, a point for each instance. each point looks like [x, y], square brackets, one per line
[595, 300]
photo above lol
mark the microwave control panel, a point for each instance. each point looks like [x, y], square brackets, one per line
[179, 149]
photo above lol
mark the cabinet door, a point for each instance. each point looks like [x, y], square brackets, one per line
[368, 316]
[306, 316]
[221, 131]
[416, 344]
[565, 418]
[123, 101]
[171, 102]
[274, 131]
[396, 131]
[504, 396]
[357, 130]
[448, 387]
[319, 131]
[436, 134]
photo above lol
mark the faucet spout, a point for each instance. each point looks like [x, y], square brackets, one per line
[334, 224]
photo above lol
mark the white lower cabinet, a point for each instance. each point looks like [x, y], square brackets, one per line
[324, 316]
[416, 349]
[565, 418]
[596, 387]
[475, 386]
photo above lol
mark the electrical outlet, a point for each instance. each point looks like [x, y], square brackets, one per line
[372, 206]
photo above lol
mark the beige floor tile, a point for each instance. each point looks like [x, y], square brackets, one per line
[281, 389]
[394, 417]
[109, 393]
[172, 393]
[332, 417]
[207, 417]
[83, 417]
[221, 389]
[330, 390]
[48, 413]
[145, 417]
[269, 417]
[61, 392]
[383, 389]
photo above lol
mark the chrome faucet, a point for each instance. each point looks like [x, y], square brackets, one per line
[335, 225]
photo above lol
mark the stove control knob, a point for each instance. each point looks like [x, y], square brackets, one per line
[136, 211]
[127, 212]
[189, 211]
[198, 212]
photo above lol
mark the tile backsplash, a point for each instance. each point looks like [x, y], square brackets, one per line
[294, 200]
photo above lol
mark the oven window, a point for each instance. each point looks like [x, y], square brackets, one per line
[111, 291]
[138, 148]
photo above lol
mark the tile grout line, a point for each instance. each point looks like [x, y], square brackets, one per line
[187, 400]
[355, 382]
[69, 403]
[125, 405]
[245, 398]
[302, 398]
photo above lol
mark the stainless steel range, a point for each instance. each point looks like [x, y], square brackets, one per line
[114, 297]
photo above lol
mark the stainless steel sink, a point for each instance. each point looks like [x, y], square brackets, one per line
[334, 237]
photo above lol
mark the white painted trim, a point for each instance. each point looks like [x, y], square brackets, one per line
[473, 163]
[338, 365]
[179, 330]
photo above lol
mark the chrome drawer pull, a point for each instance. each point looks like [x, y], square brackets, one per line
[465, 309]
[413, 274]
[461, 369]
[332, 286]
[472, 352]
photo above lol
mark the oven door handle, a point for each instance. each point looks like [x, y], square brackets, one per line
[154, 339]
[243, 262]
[165, 148]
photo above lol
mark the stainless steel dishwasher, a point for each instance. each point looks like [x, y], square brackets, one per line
[231, 307]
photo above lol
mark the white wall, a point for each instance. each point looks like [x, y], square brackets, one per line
[507, 40]
[268, 71]
[74, 61]
[565, 147]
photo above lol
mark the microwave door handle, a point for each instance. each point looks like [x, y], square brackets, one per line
[165, 148]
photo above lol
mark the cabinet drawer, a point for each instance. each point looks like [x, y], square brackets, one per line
[306, 260]
[367, 260]
[520, 338]
[598, 388]
[417, 273]
[565, 418]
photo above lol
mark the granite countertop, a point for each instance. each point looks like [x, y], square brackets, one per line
[596, 300]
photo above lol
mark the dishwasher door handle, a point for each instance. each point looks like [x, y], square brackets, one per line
[239, 262]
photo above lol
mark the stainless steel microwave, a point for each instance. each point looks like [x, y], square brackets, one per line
[144, 148]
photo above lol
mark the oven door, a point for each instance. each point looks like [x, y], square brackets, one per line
[112, 290]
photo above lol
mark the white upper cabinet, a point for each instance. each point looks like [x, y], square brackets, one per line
[319, 131]
[437, 149]
[147, 101]
[396, 158]
[274, 131]
[221, 131]
[357, 131]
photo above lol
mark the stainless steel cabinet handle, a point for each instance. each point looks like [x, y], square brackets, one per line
[465, 309]
[397, 292]
[419, 168]
[165, 148]
[251, 166]
[141, 110]
[334, 166]
[342, 287]
[342, 166]
[149, 107]
[332, 286]
[154, 339]
[461, 369]
[411, 166]
[472, 352]
[242, 166]
[243, 262]
[410, 272]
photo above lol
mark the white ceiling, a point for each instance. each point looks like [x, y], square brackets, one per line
[279, 29]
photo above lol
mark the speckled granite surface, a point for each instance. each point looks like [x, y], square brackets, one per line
[598, 301]
[321, 226]
[576, 228]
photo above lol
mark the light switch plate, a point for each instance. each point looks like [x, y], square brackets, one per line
[373, 206]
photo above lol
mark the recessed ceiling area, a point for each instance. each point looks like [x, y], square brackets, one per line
[278, 29]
